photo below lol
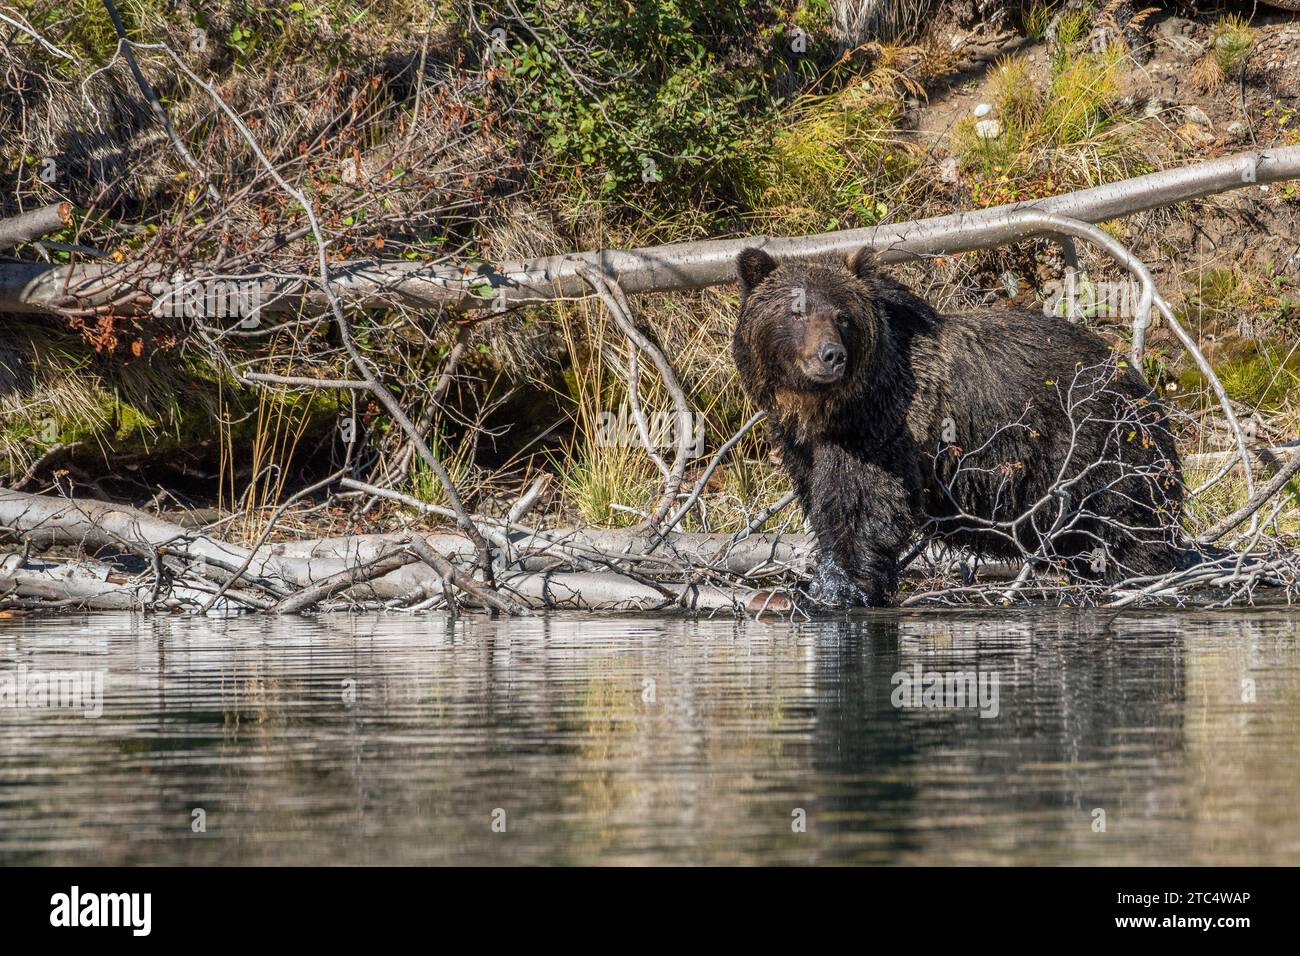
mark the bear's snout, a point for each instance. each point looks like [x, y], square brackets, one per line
[833, 357]
[824, 357]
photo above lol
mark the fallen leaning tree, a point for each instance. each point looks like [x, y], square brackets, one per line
[43, 287]
[516, 567]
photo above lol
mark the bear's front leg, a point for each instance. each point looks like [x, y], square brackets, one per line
[862, 521]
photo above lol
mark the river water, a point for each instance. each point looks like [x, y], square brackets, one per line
[1160, 737]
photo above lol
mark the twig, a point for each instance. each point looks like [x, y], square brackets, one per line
[343, 580]
[1150, 295]
[450, 574]
[50, 47]
[766, 515]
[155, 104]
[1255, 502]
[709, 470]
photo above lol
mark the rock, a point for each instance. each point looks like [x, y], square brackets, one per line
[1194, 135]
[983, 109]
[1237, 129]
[988, 129]
[1154, 107]
[1194, 114]
[1173, 26]
[948, 170]
[778, 602]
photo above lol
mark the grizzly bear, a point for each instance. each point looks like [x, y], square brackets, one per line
[1002, 432]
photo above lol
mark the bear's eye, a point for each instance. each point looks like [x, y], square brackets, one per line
[840, 318]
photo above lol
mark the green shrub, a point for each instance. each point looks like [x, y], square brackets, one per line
[654, 102]
[1231, 40]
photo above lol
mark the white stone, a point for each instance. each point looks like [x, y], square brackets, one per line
[984, 109]
[988, 129]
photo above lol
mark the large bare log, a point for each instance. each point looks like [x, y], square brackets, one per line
[86, 584]
[96, 586]
[46, 521]
[343, 581]
[40, 287]
[756, 556]
[454, 577]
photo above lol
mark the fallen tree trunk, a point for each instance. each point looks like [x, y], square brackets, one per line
[1271, 456]
[91, 585]
[41, 287]
[565, 570]
[47, 521]
[546, 575]
[756, 556]
[84, 584]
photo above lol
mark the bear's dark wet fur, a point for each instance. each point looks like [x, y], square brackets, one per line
[895, 421]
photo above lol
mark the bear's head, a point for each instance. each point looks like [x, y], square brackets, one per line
[807, 330]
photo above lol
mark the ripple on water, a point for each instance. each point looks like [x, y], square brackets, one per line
[625, 739]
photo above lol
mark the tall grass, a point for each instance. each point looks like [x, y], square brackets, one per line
[602, 481]
[1072, 129]
[837, 159]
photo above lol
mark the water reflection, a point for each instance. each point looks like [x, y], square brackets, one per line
[631, 740]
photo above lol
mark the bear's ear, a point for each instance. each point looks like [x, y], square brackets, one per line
[863, 263]
[752, 267]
